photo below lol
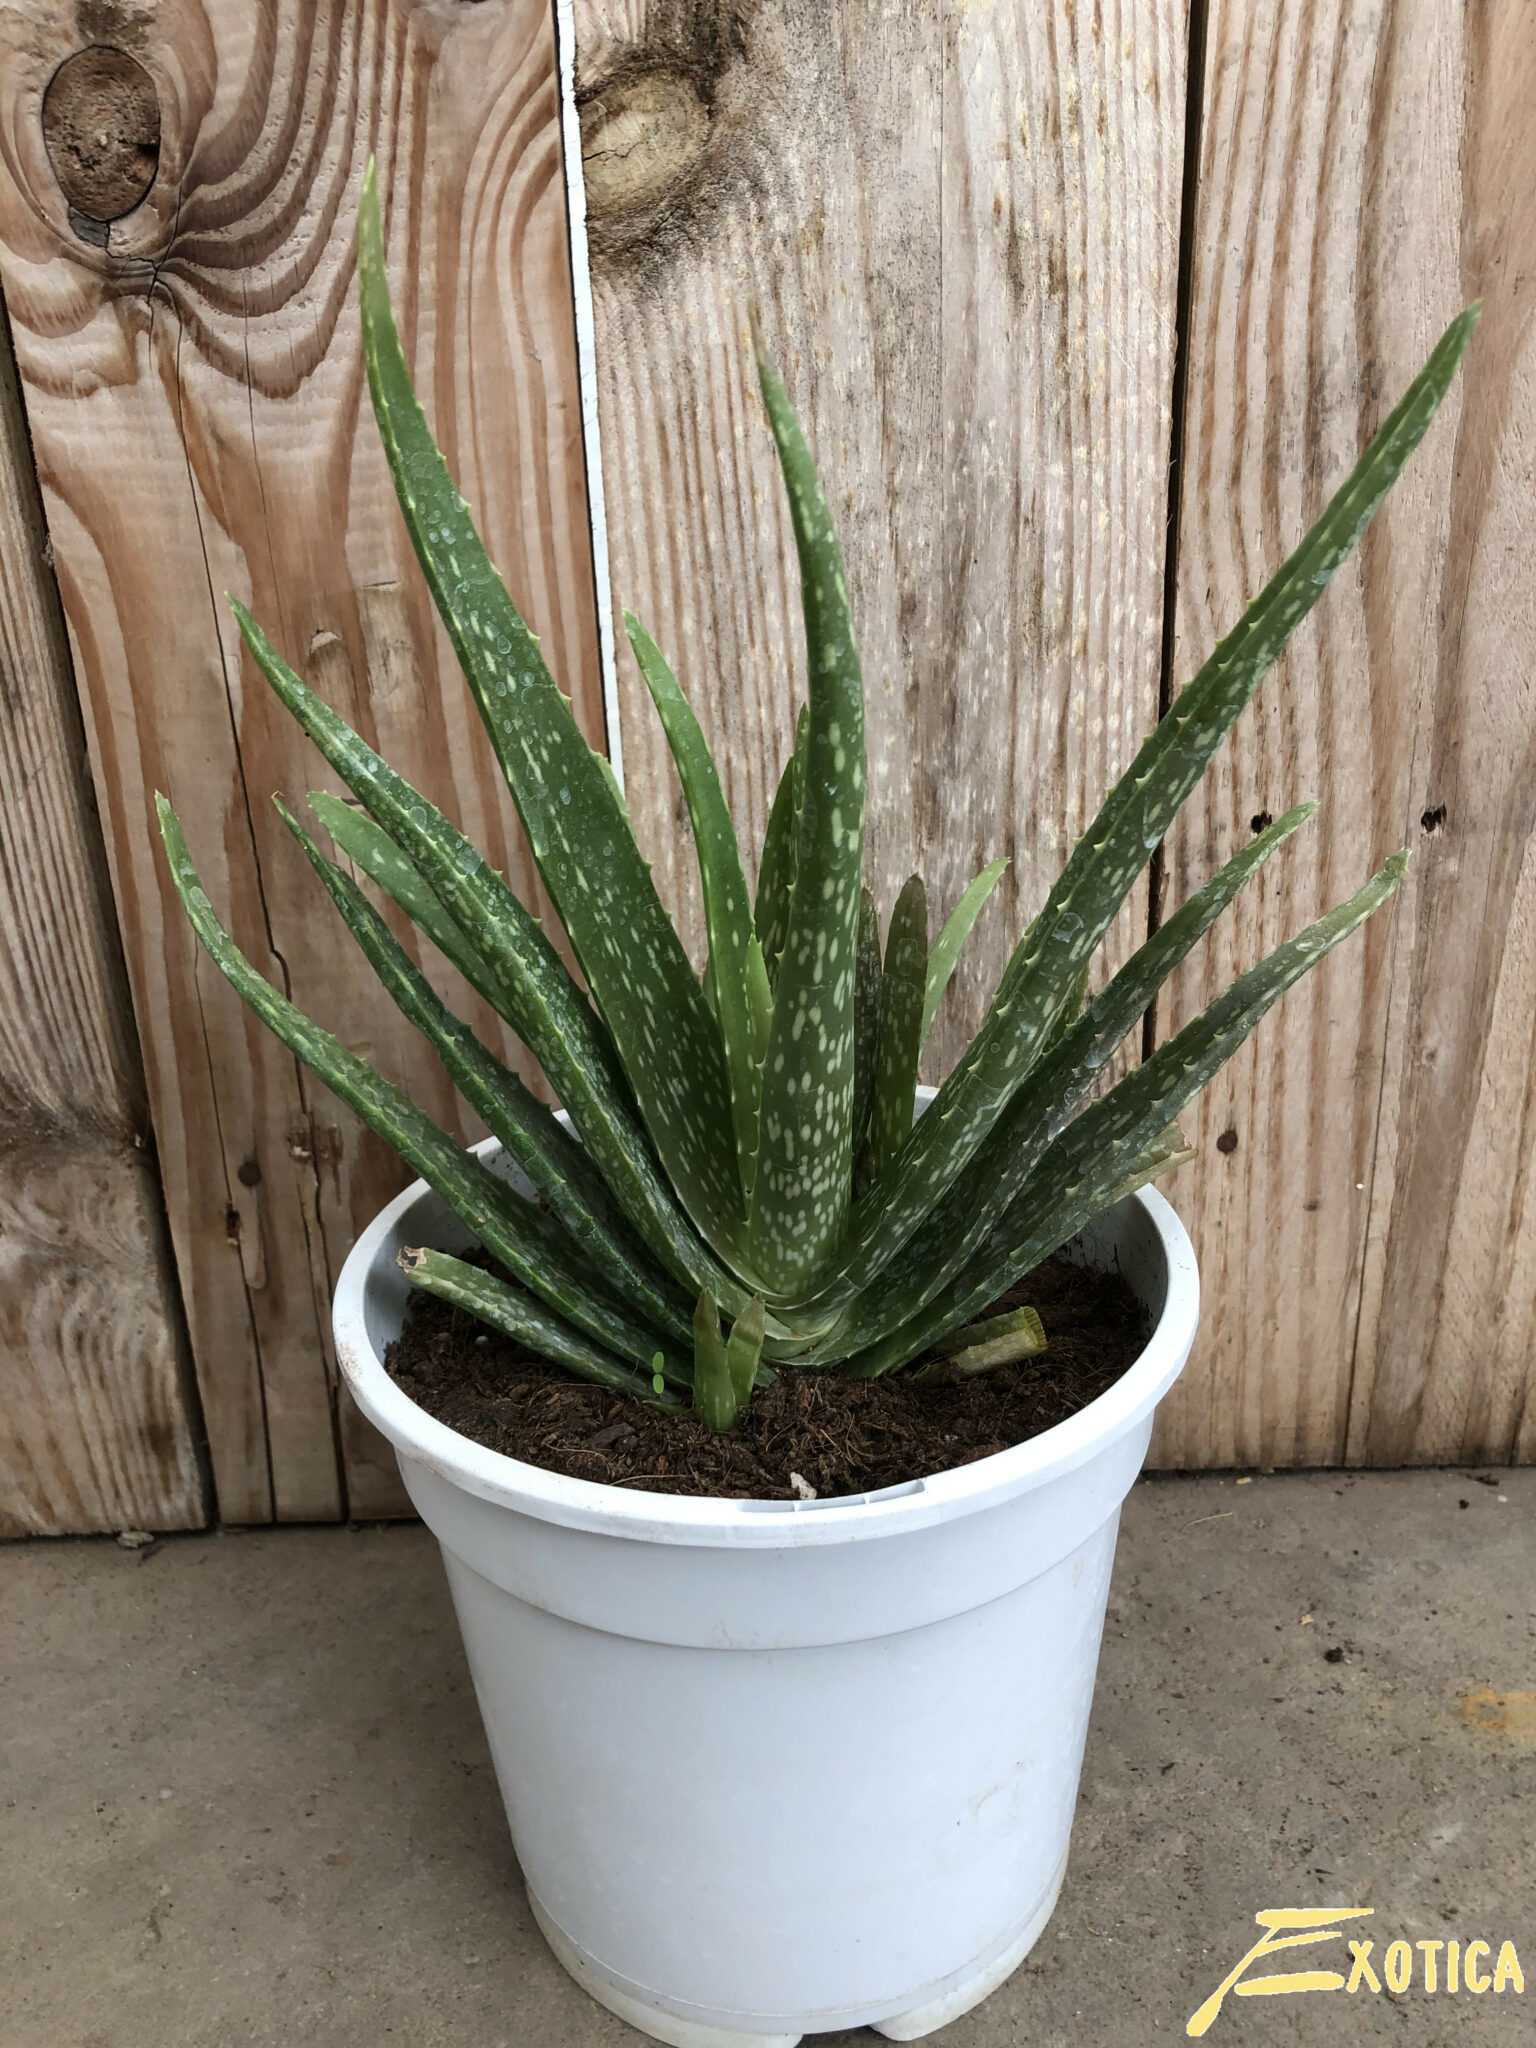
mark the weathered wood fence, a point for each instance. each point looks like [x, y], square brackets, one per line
[1085, 305]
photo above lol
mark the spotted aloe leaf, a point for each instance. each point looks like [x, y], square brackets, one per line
[776, 869]
[630, 953]
[1066, 1073]
[902, 984]
[1111, 854]
[805, 1154]
[555, 1019]
[560, 1171]
[517, 1314]
[1096, 1157]
[515, 1230]
[1071, 1009]
[866, 1028]
[952, 937]
[372, 849]
[738, 980]
[770, 906]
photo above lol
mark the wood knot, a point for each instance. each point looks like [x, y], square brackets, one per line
[101, 128]
[640, 137]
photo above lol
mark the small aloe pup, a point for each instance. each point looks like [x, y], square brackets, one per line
[746, 1188]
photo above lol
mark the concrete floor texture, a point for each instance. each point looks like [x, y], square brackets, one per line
[246, 1799]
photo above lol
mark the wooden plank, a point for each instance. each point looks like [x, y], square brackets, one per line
[194, 386]
[1445, 1362]
[961, 224]
[1365, 1241]
[97, 1420]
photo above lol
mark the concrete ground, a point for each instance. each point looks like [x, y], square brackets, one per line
[247, 1803]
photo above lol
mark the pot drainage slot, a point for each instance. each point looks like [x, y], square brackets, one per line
[841, 1500]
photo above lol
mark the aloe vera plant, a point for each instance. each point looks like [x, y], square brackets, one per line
[747, 1188]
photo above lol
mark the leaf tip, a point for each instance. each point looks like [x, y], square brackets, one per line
[368, 199]
[1455, 338]
[372, 290]
[770, 383]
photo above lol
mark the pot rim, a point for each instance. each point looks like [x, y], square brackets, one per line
[756, 1524]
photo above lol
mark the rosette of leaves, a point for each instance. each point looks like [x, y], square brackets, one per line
[746, 1188]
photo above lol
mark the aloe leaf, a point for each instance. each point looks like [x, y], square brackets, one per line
[1013, 1321]
[1143, 804]
[759, 1001]
[1136, 815]
[557, 1023]
[902, 985]
[515, 1231]
[714, 1392]
[745, 1348]
[1000, 1340]
[805, 1153]
[632, 957]
[1067, 1071]
[561, 1173]
[797, 771]
[1070, 1011]
[1096, 1157]
[371, 848]
[743, 1002]
[519, 1316]
[1166, 1151]
[776, 869]
[956, 930]
[866, 1017]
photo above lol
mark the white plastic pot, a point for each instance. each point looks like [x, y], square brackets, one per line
[780, 1767]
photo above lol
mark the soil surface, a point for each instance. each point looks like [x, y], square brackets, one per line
[838, 1436]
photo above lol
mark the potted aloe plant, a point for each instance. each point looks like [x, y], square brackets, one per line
[773, 1766]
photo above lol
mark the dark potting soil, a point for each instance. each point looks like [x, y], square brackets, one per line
[839, 1436]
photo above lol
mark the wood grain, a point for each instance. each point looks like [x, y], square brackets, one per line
[961, 224]
[1366, 1242]
[194, 387]
[97, 1415]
